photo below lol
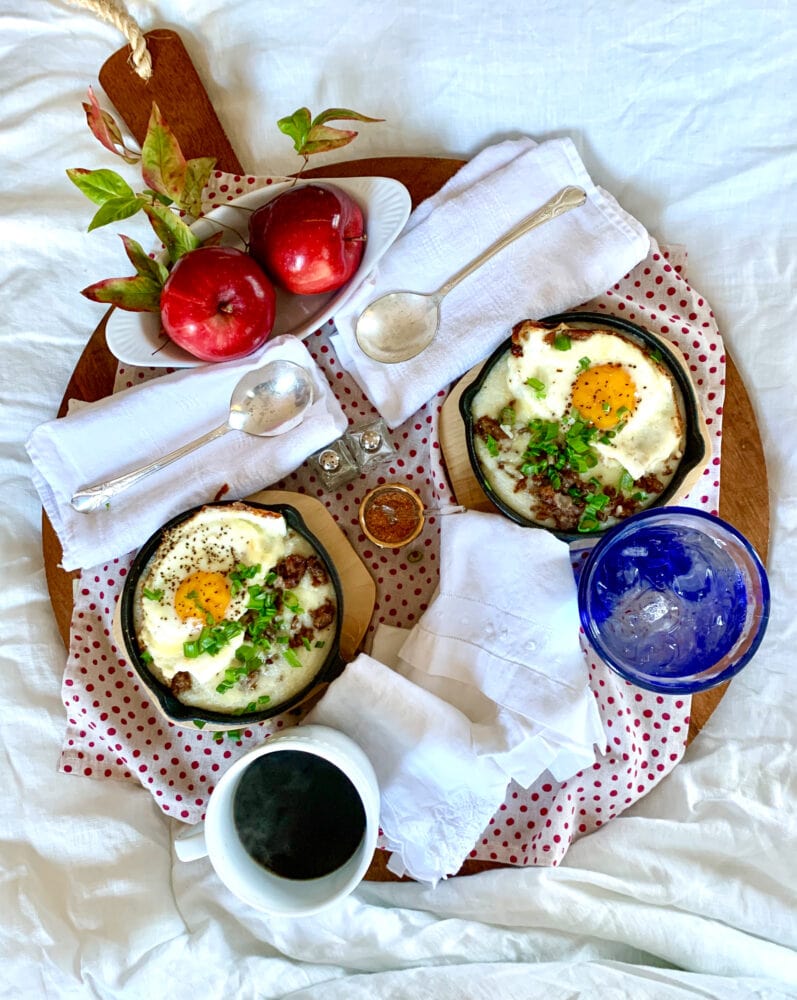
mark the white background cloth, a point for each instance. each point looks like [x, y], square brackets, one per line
[686, 114]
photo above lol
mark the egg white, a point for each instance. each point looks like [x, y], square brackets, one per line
[216, 540]
[650, 436]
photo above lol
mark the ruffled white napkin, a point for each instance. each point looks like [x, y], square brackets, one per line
[555, 267]
[131, 428]
[437, 795]
[493, 687]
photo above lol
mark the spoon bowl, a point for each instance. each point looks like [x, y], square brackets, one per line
[265, 402]
[270, 400]
[399, 325]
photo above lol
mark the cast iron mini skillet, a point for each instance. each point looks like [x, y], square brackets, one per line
[696, 446]
[171, 707]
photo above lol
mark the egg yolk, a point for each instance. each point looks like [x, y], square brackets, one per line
[604, 394]
[201, 594]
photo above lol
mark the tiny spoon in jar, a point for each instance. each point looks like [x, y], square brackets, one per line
[399, 325]
[267, 401]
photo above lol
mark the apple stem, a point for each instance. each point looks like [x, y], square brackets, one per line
[356, 239]
[227, 308]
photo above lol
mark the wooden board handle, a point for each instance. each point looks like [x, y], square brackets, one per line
[178, 91]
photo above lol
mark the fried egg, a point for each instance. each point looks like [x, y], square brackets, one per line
[189, 585]
[603, 379]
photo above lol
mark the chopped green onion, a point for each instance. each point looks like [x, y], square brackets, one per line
[626, 481]
[242, 572]
[200, 723]
[212, 639]
[655, 354]
[291, 657]
[291, 602]
[507, 416]
[606, 407]
[152, 595]
[562, 342]
[320, 644]
[492, 445]
[537, 386]
[583, 364]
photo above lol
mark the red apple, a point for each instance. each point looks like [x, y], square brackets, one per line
[217, 304]
[308, 239]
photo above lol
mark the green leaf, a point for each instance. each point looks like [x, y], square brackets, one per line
[197, 174]
[342, 114]
[322, 138]
[312, 135]
[175, 235]
[296, 126]
[100, 185]
[143, 263]
[136, 294]
[116, 209]
[163, 165]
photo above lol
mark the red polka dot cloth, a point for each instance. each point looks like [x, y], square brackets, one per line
[115, 731]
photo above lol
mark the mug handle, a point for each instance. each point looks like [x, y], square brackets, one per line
[191, 846]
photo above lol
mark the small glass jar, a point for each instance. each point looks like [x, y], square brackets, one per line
[391, 515]
[370, 444]
[334, 465]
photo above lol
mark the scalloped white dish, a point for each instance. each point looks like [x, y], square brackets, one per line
[137, 338]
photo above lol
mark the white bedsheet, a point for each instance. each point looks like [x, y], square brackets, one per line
[686, 112]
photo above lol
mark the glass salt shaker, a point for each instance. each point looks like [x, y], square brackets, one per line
[370, 444]
[334, 465]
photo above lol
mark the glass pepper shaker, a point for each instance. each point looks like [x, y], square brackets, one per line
[370, 444]
[334, 465]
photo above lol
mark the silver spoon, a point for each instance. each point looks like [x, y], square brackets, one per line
[399, 325]
[267, 401]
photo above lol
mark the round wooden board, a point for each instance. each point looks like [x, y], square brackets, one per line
[744, 497]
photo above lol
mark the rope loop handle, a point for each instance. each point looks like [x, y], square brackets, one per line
[114, 12]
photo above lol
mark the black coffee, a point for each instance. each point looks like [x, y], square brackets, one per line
[298, 815]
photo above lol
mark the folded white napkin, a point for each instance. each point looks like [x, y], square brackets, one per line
[522, 747]
[436, 794]
[555, 267]
[132, 428]
[490, 685]
[505, 619]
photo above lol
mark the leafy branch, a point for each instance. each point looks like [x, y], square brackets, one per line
[174, 187]
[313, 135]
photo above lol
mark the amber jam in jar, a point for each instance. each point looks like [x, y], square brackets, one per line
[391, 515]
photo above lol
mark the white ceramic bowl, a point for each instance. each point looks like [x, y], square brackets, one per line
[137, 339]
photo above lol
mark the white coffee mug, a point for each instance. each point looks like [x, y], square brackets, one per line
[252, 882]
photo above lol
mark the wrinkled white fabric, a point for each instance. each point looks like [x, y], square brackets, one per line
[685, 112]
[503, 629]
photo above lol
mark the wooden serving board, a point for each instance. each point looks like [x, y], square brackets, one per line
[177, 89]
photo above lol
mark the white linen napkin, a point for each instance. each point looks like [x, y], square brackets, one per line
[131, 428]
[505, 623]
[521, 747]
[555, 267]
[490, 685]
[436, 794]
